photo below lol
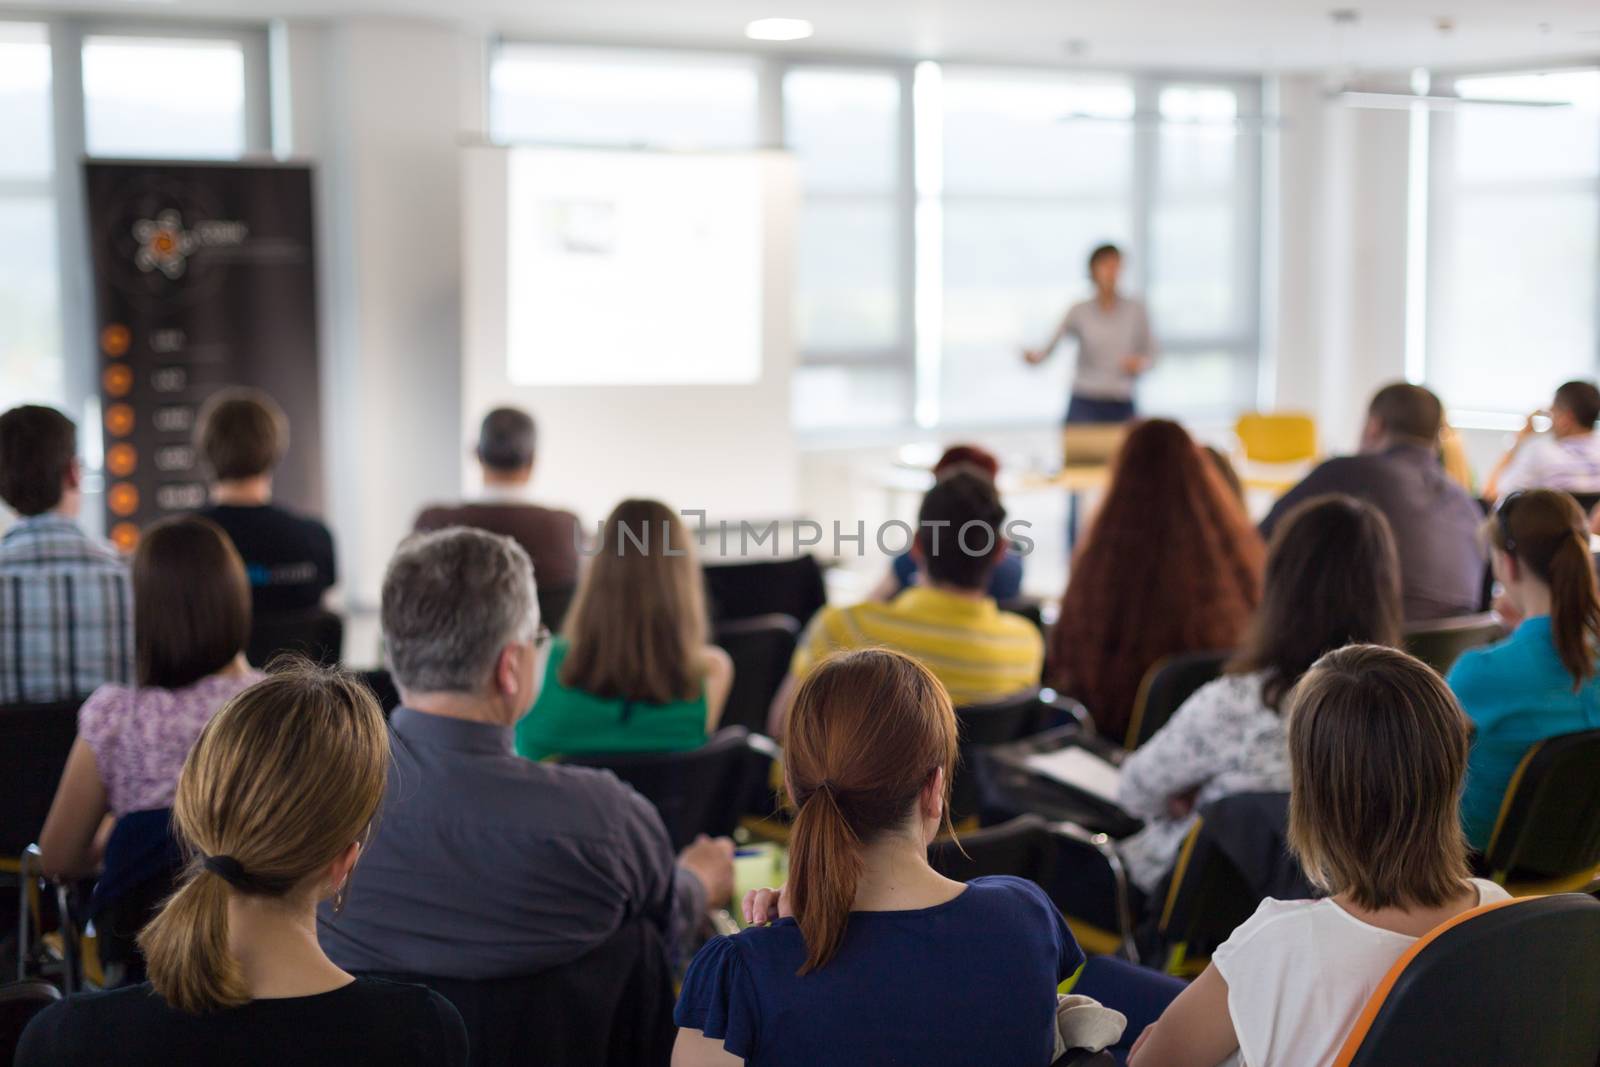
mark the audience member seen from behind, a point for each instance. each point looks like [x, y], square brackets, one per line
[1377, 750]
[1170, 564]
[948, 620]
[505, 452]
[1005, 581]
[243, 435]
[66, 619]
[273, 807]
[1567, 458]
[485, 864]
[633, 672]
[1540, 682]
[191, 621]
[1333, 578]
[1434, 520]
[872, 956]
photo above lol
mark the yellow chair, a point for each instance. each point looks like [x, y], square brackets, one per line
[1277, 437]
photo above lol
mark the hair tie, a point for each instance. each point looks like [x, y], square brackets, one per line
[228, 869]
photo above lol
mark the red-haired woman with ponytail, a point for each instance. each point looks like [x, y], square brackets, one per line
[873, 956]
[1540, 682]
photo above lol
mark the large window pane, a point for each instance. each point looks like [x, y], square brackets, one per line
[844, 127]
[24, 101]
[847, 294]
[829, 397]
[1515, 241]
[30, 331]
[593, 96]
[164, 97]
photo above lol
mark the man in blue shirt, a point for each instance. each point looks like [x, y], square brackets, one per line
[66, 605]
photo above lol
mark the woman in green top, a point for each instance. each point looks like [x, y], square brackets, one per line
[632, 671]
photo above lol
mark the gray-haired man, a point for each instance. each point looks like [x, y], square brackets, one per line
[485, 864]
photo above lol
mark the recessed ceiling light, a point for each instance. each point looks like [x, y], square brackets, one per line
[778, 30]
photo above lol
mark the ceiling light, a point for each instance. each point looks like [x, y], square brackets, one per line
[778, 30]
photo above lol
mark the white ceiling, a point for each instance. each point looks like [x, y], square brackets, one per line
[1175, 34]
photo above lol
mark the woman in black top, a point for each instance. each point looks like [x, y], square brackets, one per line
[273, 805]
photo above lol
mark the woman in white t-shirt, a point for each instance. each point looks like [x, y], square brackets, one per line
[1377, 751]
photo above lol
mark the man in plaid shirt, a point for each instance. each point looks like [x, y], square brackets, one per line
[66, 604]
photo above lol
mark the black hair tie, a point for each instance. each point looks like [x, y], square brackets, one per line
[229, 870]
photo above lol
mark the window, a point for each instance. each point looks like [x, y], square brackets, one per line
[851, 277]
[1514, 240]
[603, 96]
[164, 97]
[30, 314]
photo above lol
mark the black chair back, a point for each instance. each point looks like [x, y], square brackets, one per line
[19, 1003]
[1166, 685]
[34, 742]
[982, 726]
[761, 648]
[1235, 857]
[792, 587]
[554, 603]
[318, 635]
[382, 685]
[1029, 607]
[1023, 847]
[1440, 642]
[609, 1008]
[697, 792]
[1448, 1001]
[1549, 824]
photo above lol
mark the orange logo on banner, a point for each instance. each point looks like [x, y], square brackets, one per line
[125, 535]
[114, 340]
[121, 460]
[119, 420]
[117, 379]
[123, 499]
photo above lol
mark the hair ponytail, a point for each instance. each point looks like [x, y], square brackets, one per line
[867, 733]
[1545, 530]
[186, 947]
[281, 782]
[825, 865]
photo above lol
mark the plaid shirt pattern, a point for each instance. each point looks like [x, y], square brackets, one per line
[66, 613]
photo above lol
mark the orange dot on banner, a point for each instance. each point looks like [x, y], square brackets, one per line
[125, 535]
[117, 379]
[119, 420]
[121, 460]
[114, 339]
[123, 499]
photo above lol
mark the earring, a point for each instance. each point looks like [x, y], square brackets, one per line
[339, 896]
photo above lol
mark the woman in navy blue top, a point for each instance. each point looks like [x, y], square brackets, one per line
[874, 957]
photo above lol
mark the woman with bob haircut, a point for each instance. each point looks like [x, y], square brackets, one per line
[1540, 682]
[273, 807]
[1333, 578]
[871, 956]
[633, 670]
[1377, 750]
[191, 621]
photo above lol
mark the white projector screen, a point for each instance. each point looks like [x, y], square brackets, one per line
[632, 268]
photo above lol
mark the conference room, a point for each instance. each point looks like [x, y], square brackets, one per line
[606, 534]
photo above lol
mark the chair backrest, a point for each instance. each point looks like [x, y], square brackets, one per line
[381, 682]
[697, 792]
[983, 726]
[1440, 642]
[1234, 857]
[792, 587]
[19, 1003]
[1277, 437]
[1029, 607]
[761, 648]
[317, 635]
[1023, 847]
[1549, 823]
[554, 603]
[609, 1008]
[1513, 982]
[1166, 685]
[34, 742]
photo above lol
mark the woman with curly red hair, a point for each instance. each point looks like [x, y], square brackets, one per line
[1170, 565]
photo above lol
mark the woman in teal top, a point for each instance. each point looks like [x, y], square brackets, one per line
[1540, 682]
[633, 671]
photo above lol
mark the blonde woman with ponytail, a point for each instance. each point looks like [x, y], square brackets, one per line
[872, 956]
[1540, 682]
[273, 806]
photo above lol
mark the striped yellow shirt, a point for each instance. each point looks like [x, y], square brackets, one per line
[979, 652]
